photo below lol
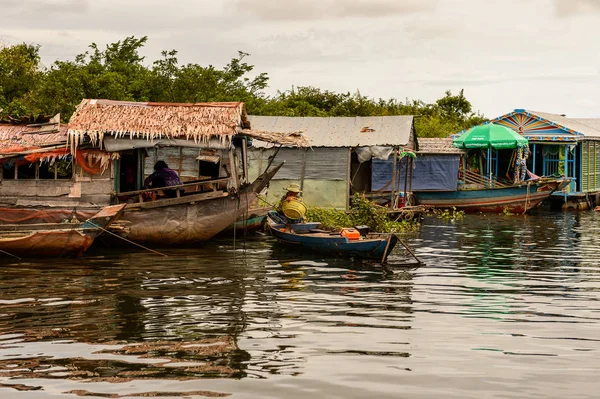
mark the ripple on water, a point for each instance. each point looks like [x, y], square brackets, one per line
[504, 307]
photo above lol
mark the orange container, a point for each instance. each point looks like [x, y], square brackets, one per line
[351, 234]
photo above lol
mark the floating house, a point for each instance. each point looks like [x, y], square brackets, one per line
[103, 156]
[340, 160]
[39, 172]
[562, 146]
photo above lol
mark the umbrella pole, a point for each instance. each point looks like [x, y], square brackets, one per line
[489, 166]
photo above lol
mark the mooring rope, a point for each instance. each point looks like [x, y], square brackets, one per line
[9, 254]
[527, 199]
[125, 239]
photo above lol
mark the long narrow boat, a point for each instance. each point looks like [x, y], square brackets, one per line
[56, 239]
[311, 236]
[251, 221]
[518, 198]
[190, 218]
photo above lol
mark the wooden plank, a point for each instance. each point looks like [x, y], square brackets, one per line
[177, 201]
[233, 170]
[190, 183]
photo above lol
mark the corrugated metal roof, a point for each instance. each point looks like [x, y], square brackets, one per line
[569, 123]
[594, 123]
[438, 146]
[19, 137]
[341, 131]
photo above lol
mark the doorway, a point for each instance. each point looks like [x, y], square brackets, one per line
[129, 172]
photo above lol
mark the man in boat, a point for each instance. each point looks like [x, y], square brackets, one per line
[293, 193]
[163, 177]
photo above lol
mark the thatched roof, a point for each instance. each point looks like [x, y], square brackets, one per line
[199, 122]
[19, 138]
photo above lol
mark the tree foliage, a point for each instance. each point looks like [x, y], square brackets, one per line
[20, 73]
[118, 72]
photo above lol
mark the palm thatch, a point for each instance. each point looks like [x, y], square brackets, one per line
[198, 121]
[16, 139]
[293, 139]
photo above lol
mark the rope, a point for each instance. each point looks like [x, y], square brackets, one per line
[9, 254]
[527, 199]
[126, 240]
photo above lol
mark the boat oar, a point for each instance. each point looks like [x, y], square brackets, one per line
[408, 249]
[9, 254]
[126, 240]
[385, 251]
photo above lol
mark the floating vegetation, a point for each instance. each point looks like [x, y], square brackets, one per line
[448, 214]
[362, 212]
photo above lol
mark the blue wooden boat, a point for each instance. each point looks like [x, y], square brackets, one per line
[517, 198]
[311, 236]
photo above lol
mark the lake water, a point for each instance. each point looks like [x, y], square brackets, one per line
[503, 307]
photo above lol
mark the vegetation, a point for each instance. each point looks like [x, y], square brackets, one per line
[448, 214]
[118, 72]
[362, 212]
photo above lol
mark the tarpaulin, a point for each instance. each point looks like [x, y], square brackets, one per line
[94, 162]
[430, 172]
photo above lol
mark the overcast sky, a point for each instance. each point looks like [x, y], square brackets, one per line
[541, 55]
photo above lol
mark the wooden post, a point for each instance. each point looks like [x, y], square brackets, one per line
[180, 167]
[394, 173]
[349, 179]
[233, 172]
[303, 168]
[406, 177]
[411, 177]
[245, 159]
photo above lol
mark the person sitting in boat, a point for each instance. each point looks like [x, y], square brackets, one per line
[293, 193]
[163, 177]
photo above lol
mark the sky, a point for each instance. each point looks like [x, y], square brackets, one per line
[539, 55]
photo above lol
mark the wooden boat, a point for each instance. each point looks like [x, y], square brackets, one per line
[251, 221]
[310, 236]
[518, 198]
[190, 218]
[56, 239]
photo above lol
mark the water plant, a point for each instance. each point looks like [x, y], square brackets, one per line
[362, 212]
[448, 214]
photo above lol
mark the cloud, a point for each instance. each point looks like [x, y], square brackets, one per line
[46, 6]
[567, 8]
[576, 76]
[277, 10]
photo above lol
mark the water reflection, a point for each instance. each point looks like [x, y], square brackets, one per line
[255, 320]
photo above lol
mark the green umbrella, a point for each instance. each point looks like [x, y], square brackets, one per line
[490, 135]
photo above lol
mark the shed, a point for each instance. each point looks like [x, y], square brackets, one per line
[339, 160]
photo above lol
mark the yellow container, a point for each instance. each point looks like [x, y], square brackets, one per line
[293, 209]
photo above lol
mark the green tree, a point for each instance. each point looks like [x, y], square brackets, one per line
[115, 73]
[20, 72]
[118, 72]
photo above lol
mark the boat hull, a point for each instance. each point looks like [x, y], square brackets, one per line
[183, 223]
[299, 236]
[515, 199]
[56, 239]
[191, 218]
[251, 221]
[47, 243]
